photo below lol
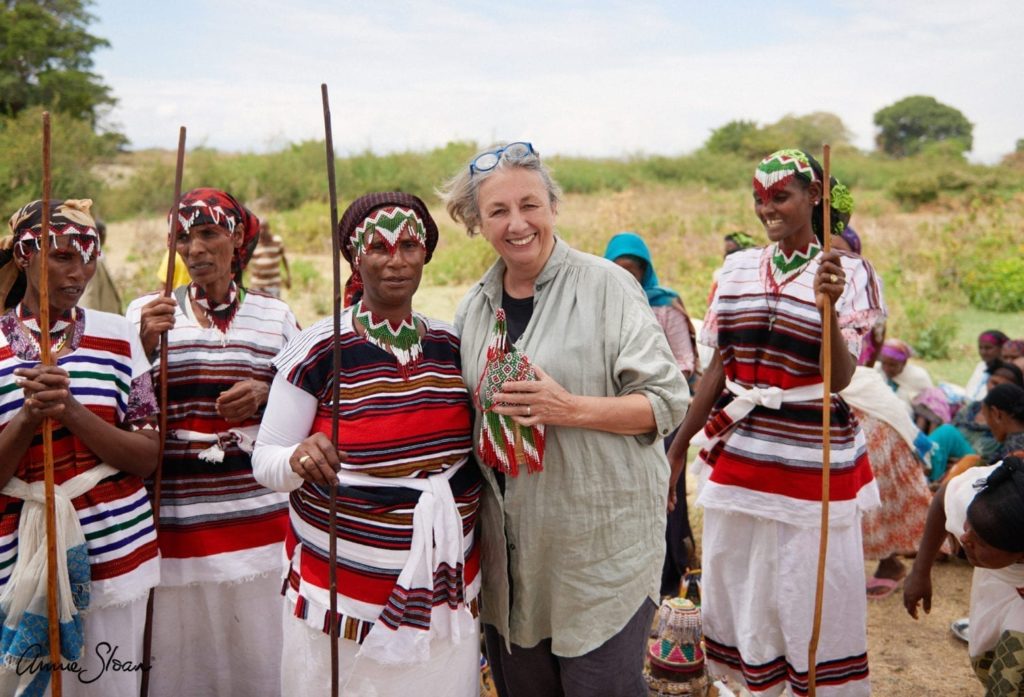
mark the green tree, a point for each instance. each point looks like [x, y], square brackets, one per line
[46, 59]
[732, 137]
[76, 148]
[913, 122]
[807, 132]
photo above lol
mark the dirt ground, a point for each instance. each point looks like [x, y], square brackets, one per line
[922, 657]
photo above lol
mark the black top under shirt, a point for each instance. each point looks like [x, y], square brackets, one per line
[518, 312]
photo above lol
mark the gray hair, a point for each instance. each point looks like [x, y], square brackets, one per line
[461, 193]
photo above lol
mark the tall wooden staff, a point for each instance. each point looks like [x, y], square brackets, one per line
[147, 636]
[826, 427]
[46, 358]
[332, 524]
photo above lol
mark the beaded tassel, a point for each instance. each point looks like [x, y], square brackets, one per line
[505, 445]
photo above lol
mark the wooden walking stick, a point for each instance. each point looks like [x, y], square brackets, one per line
[46, 358]
[826, 426]
[332, 524]
[147, 635]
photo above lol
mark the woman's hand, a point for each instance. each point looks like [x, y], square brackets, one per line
[242, 400]
[917, 588]
[532, 402]
[157, 317]
[47, 391]
[830, 281]
[316, 460]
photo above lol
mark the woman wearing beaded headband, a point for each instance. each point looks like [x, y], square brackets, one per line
[760, 451]
[575, 384]
[409, 491]
[221, 533]
[96, 395]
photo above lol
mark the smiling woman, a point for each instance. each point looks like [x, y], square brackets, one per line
[758, 415]
[96, 395]
[575, 384]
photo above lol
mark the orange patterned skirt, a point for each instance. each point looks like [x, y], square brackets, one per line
[898, 524]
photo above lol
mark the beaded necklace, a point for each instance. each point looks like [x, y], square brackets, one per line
[221, 315]
[783, 269]
[30, 325]
[402, 340]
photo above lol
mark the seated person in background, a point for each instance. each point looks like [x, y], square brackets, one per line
[1013, 352]
[983, 509]
[990, 346]
[932, 414]
[971, 421]
[906, 379]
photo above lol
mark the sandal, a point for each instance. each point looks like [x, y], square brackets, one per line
[881, 588]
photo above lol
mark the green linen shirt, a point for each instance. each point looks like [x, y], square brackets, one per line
[584, 540]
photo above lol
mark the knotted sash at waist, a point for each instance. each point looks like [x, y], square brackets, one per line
[429, 599]
[746, 399]
[23, 600]
[244, 437]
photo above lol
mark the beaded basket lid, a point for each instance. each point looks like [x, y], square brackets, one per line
[678, 643]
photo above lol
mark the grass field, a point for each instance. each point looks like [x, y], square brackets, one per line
[922, 256]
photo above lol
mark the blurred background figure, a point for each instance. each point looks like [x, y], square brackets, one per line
[906, 379]
[265, 265]
[990, 348]
[101, 293]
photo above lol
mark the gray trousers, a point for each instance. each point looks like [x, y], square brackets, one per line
[613, 669]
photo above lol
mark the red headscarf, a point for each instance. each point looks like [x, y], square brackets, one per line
[206, 206]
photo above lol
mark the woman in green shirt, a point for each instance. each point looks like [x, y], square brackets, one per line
[575, 382]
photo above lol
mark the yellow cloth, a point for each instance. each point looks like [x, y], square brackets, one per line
[181, 277]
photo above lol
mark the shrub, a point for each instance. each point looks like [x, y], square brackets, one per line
[915, 190]
[997, 285]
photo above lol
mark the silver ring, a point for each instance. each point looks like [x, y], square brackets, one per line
[304, 459]
[833, 278]
[529, 410]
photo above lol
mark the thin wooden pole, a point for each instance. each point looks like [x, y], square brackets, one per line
[332, 524]
[46, 358]
[147, 634]
[826, 429]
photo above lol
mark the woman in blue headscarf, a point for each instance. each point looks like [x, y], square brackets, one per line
[628, 250]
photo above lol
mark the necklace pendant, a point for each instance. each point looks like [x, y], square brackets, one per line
[771, 322]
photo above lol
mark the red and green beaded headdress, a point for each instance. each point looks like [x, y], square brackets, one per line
[389, 222]
[778, 169]
[775, 171]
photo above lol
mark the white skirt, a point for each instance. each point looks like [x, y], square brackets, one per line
[220, 639]
[452, 671]
[111, 660]
[758, 584]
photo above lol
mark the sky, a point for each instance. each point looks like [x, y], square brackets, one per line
[599, 78]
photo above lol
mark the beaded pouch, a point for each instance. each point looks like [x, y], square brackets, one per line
[505, 445]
